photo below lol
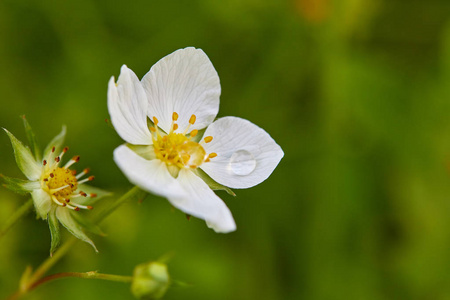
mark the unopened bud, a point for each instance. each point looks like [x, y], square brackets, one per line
[150, 280]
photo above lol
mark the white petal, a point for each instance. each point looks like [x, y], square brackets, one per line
[150, 175]
[127, 105]
[184, 82]
[246, 154]
[203, 203]
[42, 202]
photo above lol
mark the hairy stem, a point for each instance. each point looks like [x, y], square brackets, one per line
[22, 211]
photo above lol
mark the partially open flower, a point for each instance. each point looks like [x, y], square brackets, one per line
[174, 149]
[58, 192]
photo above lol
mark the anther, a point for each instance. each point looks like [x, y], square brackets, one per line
[175, 127]
[77, 208]
[58, 159]
[152, 129]
[93, 195]
[174, 116]
[89, 207]
[45, 179]
[155, 120]
[44, 162]
[83, 194]
[193, 133]
[212, 155]
[86, 179]
[67, 200]
[192, 119]
[72, 161]
[52, 175]
[53, 149]
[208, 139]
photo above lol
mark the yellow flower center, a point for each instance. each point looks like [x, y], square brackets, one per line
[178, 149]
[61, 182]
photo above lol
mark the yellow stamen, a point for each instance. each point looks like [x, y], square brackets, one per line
[208, 139]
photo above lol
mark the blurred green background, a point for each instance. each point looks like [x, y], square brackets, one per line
[356, 92]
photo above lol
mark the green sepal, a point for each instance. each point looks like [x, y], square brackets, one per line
[32, 139]
[57, 142]
[144, 151]
[18, 185]
[53, 224]
[87, 224]
[211, 183]
[65, 217]
[90, 190]
[24, 158]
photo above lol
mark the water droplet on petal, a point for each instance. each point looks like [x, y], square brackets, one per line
[242, 162]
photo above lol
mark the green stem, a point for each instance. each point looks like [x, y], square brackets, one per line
[87, 275]
[22, 211]
[49, 262]
[133, 193]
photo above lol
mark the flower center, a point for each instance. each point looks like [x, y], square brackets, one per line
[61, 183]
[178, 149]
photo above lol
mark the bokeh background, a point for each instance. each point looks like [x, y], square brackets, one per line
[356, 92]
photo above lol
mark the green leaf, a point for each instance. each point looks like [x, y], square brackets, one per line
[32, 139]
[53, 224]
[90, 190]
[57, 142]
[24, 158]
[211, 183]
[18, 185]
[65, 217]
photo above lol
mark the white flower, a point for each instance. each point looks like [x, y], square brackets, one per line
[174, 149]
[58, 193]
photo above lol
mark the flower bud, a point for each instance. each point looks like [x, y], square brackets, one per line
[150, 280]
